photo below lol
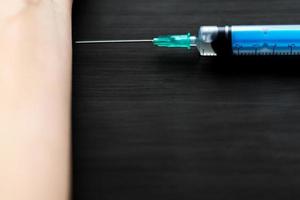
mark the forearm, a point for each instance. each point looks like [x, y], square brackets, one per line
[35, 91]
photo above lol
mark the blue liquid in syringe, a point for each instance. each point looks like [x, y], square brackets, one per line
[266, 40]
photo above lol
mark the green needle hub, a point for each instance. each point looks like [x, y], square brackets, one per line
[173, 41]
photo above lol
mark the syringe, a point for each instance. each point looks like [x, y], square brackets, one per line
[231, 40]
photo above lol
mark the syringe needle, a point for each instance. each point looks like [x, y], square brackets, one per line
[114, 41]
[172, 41]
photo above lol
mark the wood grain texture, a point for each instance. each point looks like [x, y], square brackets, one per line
[153, 123]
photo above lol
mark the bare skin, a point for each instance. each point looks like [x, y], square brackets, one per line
[35, 99]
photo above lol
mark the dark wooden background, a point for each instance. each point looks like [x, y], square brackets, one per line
[152, 123]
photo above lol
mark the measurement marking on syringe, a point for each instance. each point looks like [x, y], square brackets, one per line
[266, 49]
[291, 46]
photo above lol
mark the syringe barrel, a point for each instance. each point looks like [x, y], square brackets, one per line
[249, 40]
